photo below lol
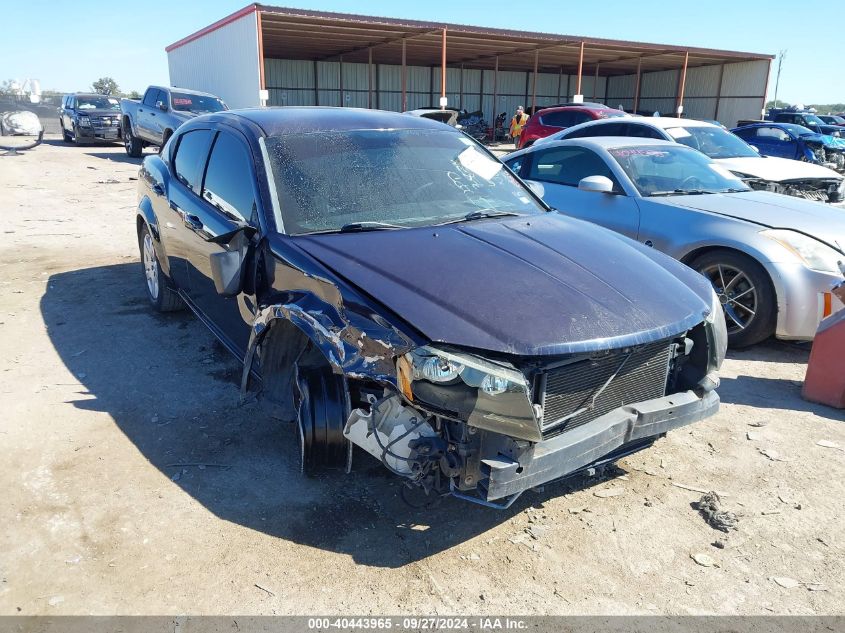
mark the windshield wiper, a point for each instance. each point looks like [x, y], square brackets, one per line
[680, 192]
[368, 226]
[479, 214]
[357, 227]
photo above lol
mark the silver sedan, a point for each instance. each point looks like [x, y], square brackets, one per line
[771, 258]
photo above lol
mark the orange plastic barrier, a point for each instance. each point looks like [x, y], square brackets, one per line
[825, 379]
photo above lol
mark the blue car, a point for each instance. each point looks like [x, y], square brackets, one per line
[787, 140]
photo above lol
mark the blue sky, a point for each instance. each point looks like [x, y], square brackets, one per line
[67, 46]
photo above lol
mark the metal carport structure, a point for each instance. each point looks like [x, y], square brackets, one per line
[280, 56]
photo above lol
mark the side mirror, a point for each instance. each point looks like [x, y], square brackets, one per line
[537, 187]
[597, 184]
[227, 267]
[162, 106]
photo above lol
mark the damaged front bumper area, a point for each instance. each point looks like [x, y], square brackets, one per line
[618, 433]
[485, 431]
[828, 190]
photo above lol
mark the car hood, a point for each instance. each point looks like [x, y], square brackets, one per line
[100, 112]
[819, 220]
[776, 169]
[832, 142]
[533, 285]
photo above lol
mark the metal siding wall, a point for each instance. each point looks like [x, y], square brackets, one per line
[290, 82]
[223, 62]
[660, 84]
[700, 108]
[732, 109]
[702, 81]
[745, 79]
[620, 91]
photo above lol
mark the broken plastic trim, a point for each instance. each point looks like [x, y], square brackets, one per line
[507, 503]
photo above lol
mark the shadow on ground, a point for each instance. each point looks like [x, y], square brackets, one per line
[116, 157]
[773, 351]
[773, 393]
[173, 392]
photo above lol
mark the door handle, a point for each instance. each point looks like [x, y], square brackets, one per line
[193, 222]
[158, 189]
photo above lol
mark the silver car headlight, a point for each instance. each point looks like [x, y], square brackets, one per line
[717, 332]
[812, 253]
[484, 394]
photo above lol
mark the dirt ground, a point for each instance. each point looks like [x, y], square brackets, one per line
[109, 408]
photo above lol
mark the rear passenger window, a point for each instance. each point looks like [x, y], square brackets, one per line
[150, 97]
[643, 131]
[190, 157]
[557, 119]
[229, 179]
[603, 129]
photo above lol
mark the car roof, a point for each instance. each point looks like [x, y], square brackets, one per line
[663, 122]
[599, 143]
[185, 90]
[580, 106]
[304, 119]
[91, 94]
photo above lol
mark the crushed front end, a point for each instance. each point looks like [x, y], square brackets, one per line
[486, 429]
[830, 190]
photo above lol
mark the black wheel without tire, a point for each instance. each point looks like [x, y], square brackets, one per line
[746, 293]
[161, 296]
[321, 403]
[132, 144]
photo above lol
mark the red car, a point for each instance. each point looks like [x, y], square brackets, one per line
[550, 120]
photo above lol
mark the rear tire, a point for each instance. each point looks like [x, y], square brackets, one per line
[750, 303]
[162, 297]
[132, 144]
[321, 404]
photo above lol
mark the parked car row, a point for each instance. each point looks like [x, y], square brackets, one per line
[772, 173]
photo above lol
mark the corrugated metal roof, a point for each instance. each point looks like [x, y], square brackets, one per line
[289, 33]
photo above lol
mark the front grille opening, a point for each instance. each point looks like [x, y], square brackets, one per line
[569, 389]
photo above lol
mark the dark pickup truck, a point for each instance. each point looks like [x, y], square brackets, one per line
[153, 119]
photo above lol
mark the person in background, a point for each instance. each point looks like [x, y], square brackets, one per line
[517, 123]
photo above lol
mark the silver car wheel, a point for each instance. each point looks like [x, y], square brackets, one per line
[150, 267]
[736, 293]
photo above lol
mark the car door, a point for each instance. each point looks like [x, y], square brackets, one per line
[146, 114]
[67, 114]
[228, 201]
[175, 207]
[774, 141]
[560, 169]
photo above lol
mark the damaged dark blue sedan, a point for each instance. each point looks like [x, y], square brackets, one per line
[389, 284]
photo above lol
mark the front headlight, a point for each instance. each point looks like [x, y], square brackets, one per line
[84, 121]
[484, 394]
[717, 331]
[438, 366]
[812, 253]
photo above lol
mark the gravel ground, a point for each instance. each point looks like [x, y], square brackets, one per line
[134, 484]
